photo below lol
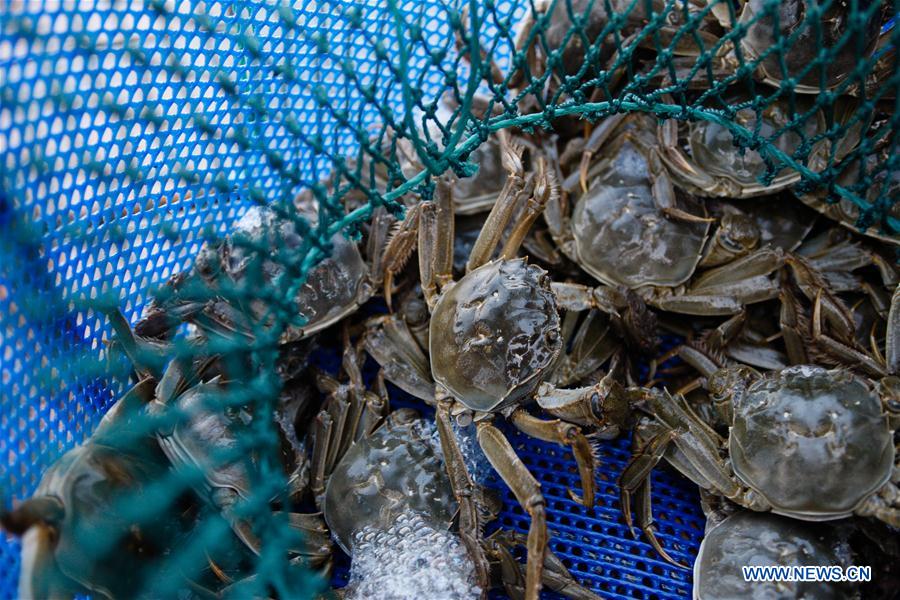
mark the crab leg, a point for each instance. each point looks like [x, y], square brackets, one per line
[604, 406]
[789, 321]
[705, 364]
[356, 394]
[338, 408]
[161, 322]
[664, 191]
[698, 447]
[565, 434]
[667, 136]
[427, 239]
[502, 211]
[322, 434]
[884, 506]
[635, 482]
[892, 337]
[726, 332]
[377, 407]
[880, 299]
[697, 441]
[726, 289]
[443, 248]
[463, 490]
[556, 576]
[399, 248]
[350, 412]
[558, 579]
[578, 297]
[594, 142]
[638, 470]
[436, 242]
[315, 539]
[510, 570]
[527, 490]
[389, 341]
[546, 187]
[816, 289]
[842, 351]
[147, 355]
[845, 256]
[702, 305]
[592, 345]
[379, 231]
[643, 502]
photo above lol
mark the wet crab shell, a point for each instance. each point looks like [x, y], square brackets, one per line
[739, 170]
[813, 442]
[763, 539]
[334, 288]
[393, 471]
[622, 237]
[885, 183]
[790, 22]
[494, 334]
[92, 481]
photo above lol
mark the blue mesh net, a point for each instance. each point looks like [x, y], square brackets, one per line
[131, 134]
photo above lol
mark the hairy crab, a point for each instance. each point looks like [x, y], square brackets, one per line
[803, 39]
[204, 418]
[630, 227]
[831, 313]
[266, 246]
[99, 523]
[762, 540]
[576, 35]
[805, 442]
[494, 341]
[703, 158]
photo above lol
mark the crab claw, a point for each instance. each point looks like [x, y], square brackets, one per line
[35, 521]
[43, 510]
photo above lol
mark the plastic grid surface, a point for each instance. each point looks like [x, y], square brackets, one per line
[109, 182]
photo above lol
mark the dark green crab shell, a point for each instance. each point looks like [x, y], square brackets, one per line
[762, 539]
[92, 481]
[494, 334]
[392, 471]
[808, 40]
[622, 237]
[333, 288]
[813, 442]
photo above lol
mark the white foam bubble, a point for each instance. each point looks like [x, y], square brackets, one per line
[476, 462]
[409, 561]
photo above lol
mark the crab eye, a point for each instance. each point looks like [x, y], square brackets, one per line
[551, 336]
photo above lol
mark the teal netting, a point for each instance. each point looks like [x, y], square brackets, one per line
[133, 133]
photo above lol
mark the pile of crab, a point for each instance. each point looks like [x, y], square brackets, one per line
[531, 296]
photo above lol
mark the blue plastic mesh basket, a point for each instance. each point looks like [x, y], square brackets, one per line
[109, 181]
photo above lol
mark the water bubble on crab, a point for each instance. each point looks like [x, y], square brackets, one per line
[476, 462]
[410, 560]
